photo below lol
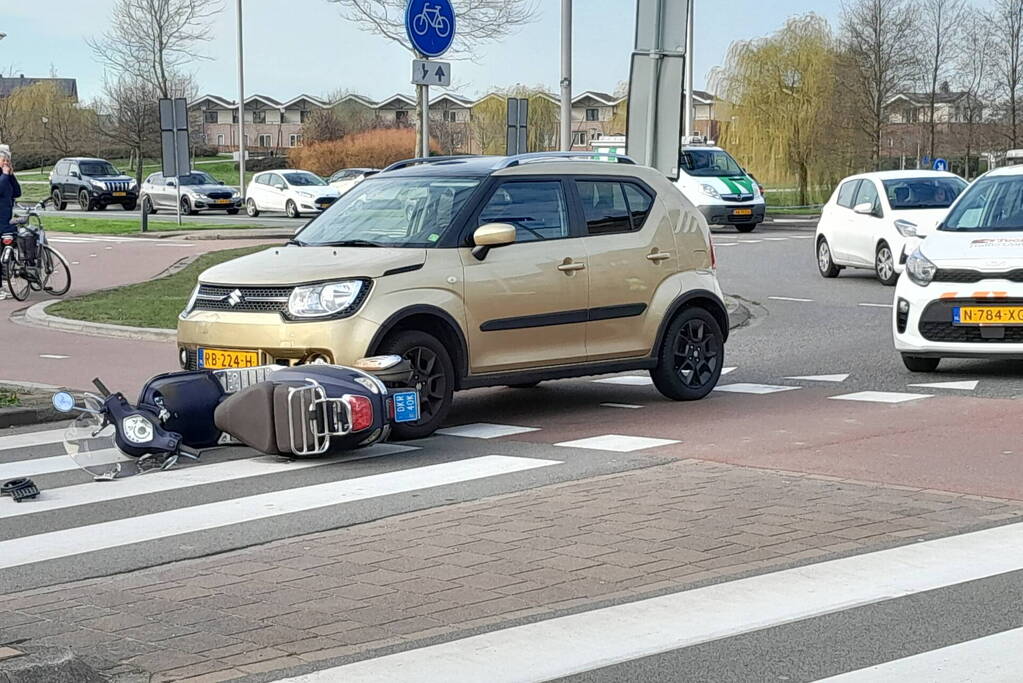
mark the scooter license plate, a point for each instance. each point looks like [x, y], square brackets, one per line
[406, 406]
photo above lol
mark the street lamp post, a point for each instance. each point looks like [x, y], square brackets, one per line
[566, 75]
[241, 109]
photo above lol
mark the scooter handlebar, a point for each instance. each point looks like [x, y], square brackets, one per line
[96, 382]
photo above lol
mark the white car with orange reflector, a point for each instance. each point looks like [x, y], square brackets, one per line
[961, 295]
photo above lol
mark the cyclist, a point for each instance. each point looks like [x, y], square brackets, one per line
[10, 190]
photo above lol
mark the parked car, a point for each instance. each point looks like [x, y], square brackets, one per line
[483, 271]
[199, 192]
[93, 183]
[290, 190]
[723, 191]
[347, 178]
[962, 295]
[875, 220]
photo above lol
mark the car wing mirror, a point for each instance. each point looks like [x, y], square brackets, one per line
[75, 174]
[864, 209]
[491, 236]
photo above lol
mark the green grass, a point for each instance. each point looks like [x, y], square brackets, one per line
[8, 399]
[125, 226]
[156, 303]
[771, 211]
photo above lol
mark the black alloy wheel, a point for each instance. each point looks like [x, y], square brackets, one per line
[691, 358]
[433, 376]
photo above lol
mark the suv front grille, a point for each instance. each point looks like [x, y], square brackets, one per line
[243, 299]
[117, 185]
[966, 275]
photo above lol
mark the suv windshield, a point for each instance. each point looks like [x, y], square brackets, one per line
[94, 168]
[709, 163]
[197, 179]
[391, 212]
[303, 179]
[923, 193]
[992, 204]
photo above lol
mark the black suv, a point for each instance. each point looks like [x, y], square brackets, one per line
[93, 183]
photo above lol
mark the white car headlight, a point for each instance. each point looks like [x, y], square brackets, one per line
[320, 301]
[710, 191]
[304, 194]
[906, 228]
[919, 268]
[137, 429]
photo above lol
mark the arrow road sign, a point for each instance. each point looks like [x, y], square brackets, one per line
[430, 25]
[425, 72]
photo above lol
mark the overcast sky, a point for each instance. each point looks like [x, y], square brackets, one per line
[294, 46]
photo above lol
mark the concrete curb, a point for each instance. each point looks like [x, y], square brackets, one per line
[35, 408]
[47, 665]
[36, 316]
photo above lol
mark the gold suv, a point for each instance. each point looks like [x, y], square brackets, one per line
[481, 271]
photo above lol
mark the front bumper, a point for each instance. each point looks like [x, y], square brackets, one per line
[276, 340]
[107, 197]
[724, 214]
[206, 203]
[927, 329]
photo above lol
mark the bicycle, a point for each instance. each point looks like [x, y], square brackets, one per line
[431, 17]
[28, 262]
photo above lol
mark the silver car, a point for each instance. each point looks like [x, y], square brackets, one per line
[198, 191]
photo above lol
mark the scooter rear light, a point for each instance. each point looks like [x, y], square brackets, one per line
[361, 410]
[390, 409]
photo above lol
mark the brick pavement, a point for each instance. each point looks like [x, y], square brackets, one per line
[438, 573]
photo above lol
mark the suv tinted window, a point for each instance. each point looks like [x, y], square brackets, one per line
[97, 168]
[537, 209]
[639, 204]
[61, 168]
[867, 194]
[846, 193]
[604, 207]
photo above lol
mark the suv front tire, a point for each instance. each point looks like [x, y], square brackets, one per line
[58, 201]
[433, 376]
[691, 356]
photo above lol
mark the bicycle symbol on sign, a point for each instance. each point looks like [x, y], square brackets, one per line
[431, 17]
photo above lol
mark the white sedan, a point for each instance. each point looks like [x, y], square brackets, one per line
[292, 191]
[875, 220]
[962, 296]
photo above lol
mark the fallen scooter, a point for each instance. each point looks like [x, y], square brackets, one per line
[302, 411]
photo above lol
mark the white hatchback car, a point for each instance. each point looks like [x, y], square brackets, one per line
[292, 191]
[962, 296]
[875, 220]
[347, 178]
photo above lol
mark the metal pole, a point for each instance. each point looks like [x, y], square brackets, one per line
[241, 108]
[425, 126]
[690, 126]
[566, 75]
[655, 54]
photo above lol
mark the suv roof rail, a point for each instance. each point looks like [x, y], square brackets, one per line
[531, 157]
[426, 160]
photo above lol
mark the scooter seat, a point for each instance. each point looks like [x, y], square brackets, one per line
[258, 417]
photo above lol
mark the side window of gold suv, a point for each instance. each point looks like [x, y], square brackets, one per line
[537, 209]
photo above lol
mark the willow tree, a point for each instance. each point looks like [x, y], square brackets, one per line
[782, 88]
[544, 117]
[488, 124]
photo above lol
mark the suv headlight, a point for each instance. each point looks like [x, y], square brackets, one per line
[98, 185]
[710, 191]
[324, 300]
[919, 268]
[132, 184]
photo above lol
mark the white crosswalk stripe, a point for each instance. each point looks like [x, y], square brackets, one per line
[32, 439]
[35, 467]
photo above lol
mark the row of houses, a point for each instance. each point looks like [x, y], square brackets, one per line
[272, 125]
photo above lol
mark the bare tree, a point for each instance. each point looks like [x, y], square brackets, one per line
[941, 22]
[154, 40]
[1008, 59]
[973, 74]
[479, 22]
[879, 38]
[131, 116]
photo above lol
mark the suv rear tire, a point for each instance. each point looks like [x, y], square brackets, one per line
[433, 375]
[693, 344]
[58, 201]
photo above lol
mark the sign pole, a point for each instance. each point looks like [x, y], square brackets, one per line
[566, 75]
[241, 110]
[430, 27]
[426, 120]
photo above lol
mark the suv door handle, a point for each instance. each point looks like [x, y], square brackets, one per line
[568, 266]
[658, 256]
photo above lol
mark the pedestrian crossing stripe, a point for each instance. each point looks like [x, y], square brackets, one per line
[31, 439]
[35, 467]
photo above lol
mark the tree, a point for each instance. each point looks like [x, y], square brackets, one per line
[46, 119]
[879, 36]
[155, 40]
[479, 22]
[131, 116]
[941, 21]
[544, 116]
[322, 125]
[1008, 59]
[973, 74]
[488, 123]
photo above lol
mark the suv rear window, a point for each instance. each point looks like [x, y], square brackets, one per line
[611, 206]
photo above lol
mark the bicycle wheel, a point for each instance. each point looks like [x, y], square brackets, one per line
[55, 272]
[18, 283]
[420, 24]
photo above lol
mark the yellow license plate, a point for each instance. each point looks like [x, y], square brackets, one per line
[742, 212]
[220, 359]
[223, 201]
[988, 315]
[120, 194]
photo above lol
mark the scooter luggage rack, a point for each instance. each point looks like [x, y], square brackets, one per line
[234, 380]
[319, 416]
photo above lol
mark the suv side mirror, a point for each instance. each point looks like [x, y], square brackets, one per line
[76, 174]
[490, 236]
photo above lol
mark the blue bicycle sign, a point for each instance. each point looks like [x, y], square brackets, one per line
[430, 25]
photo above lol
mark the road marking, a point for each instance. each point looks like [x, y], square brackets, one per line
[485, 430]
[57, 463]
[880, 397]
[790, 298]
[31, 439]
[776, 239]
[121, 532]
[994, 658]
[617, 443]
[969, 385]
[746, 388]
[727, 371]
[821, 378]
[186, 477]
[627, 380]
[801, 237]
[600, 638]
[866, 305]
[724, 244]
[627, 406]
[53, 356]
[749, 241]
